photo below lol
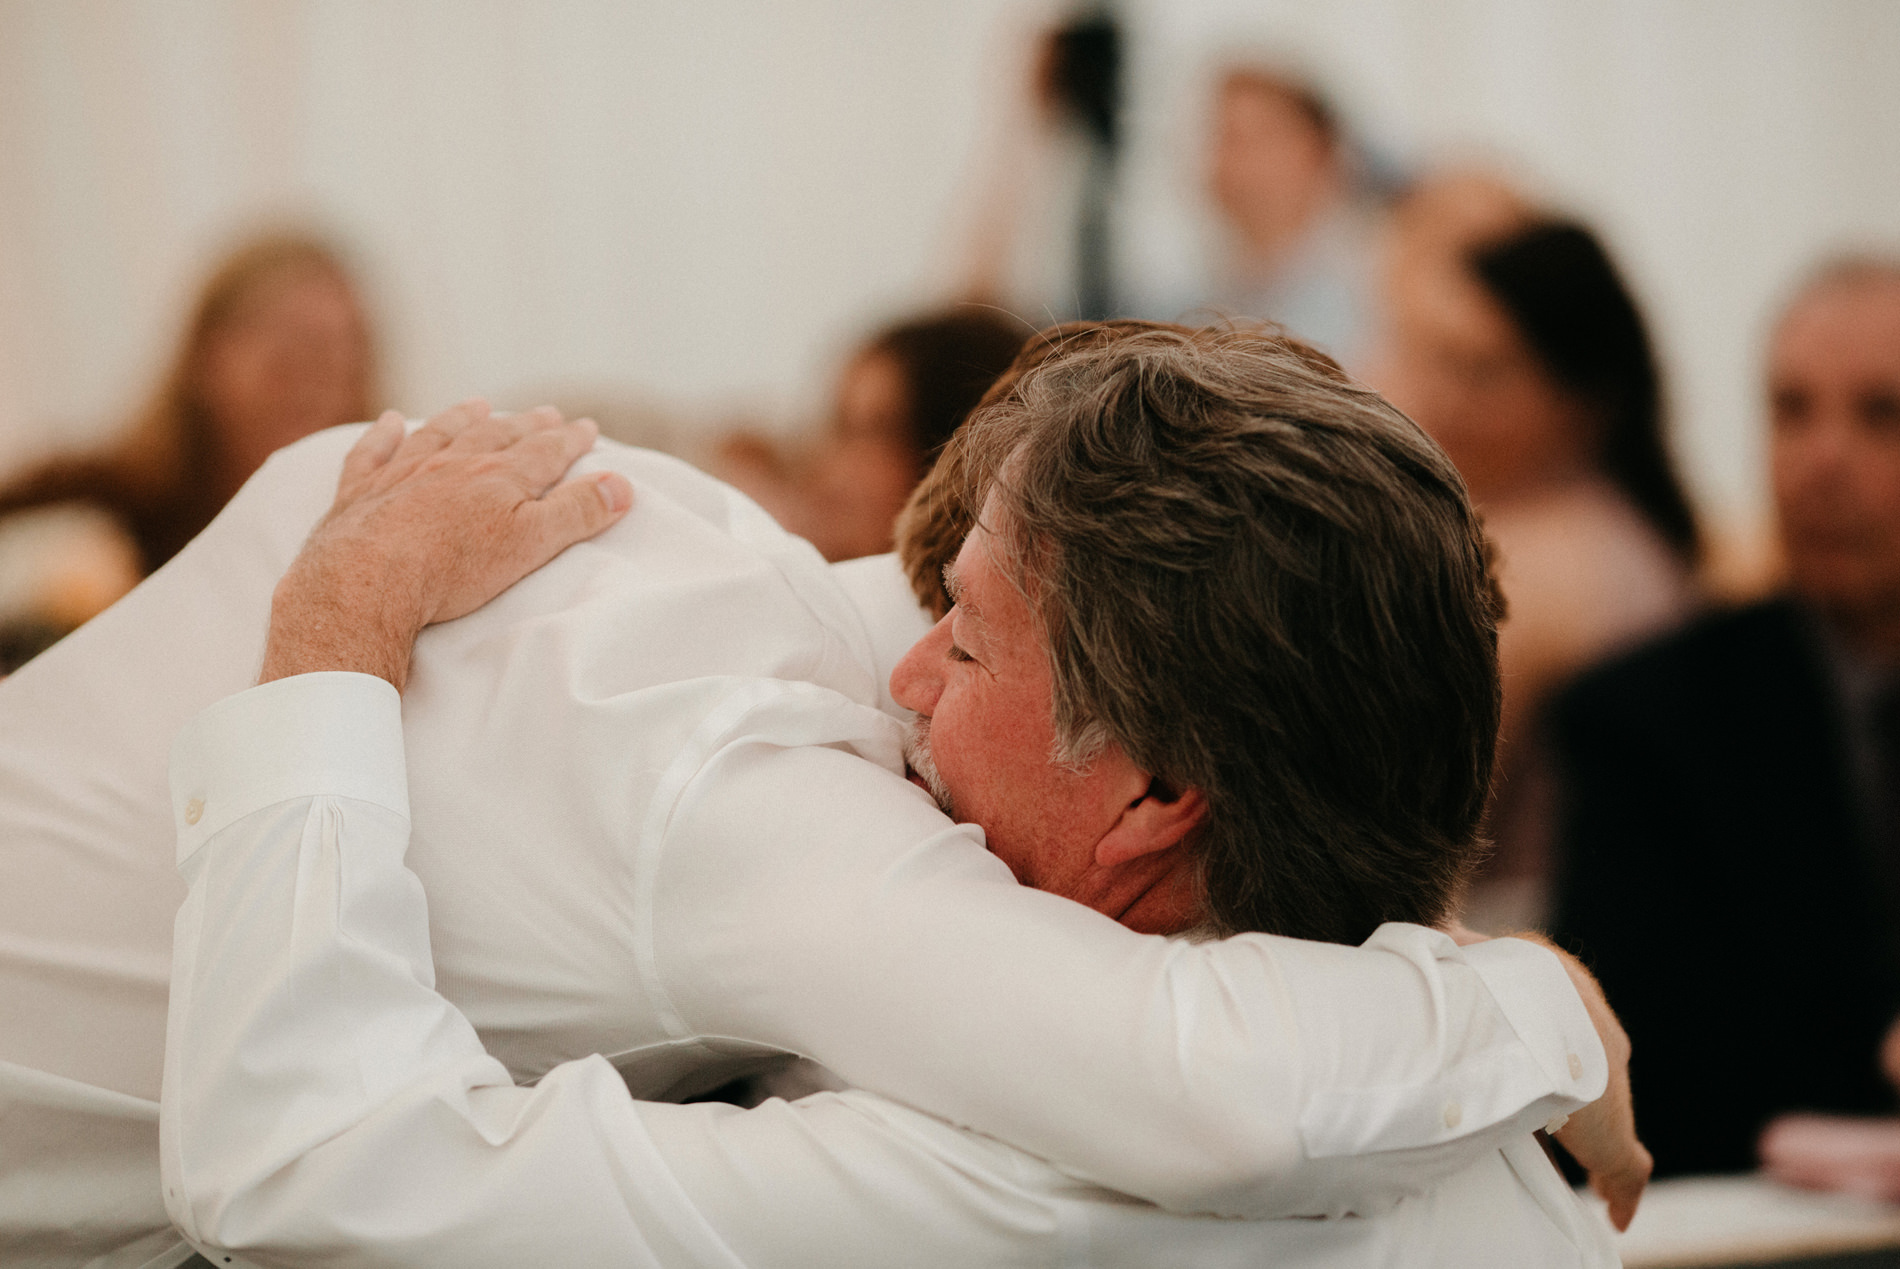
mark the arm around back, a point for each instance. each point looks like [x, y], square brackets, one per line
[307, 1040]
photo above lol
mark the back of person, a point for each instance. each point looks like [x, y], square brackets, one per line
[1707, 793]
[718, 595]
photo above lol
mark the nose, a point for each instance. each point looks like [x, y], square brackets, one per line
[1813, 461]
[917, 680]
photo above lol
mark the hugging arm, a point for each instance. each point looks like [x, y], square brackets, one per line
[321, 1100]
[322, 1104]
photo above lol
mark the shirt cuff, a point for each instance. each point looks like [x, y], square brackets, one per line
[311, 735]
[1537, 998]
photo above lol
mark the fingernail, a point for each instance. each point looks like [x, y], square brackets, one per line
[617, 494]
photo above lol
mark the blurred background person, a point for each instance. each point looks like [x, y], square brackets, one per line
[1441, 216]
[1042, 238]
[1297, 225]
[1288, 208]
[898, 399]
[1731, 824]
[276, 346]
[1515, 343]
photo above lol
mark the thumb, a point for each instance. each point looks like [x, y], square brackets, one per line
[577, 510]
[1622, 1189]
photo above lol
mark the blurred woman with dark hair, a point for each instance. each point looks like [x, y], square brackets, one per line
[897, 401]
[1525, 356]
[277, 347]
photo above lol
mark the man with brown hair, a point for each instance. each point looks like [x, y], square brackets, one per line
[1176, 500]
[749, 882]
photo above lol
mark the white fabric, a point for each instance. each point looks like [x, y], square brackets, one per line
[322, 1102]
[879, 589]
[544, 734]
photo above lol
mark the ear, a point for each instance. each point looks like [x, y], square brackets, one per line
[1157, 820]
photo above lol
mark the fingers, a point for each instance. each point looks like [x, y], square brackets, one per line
[457, 419]
[471, 427]
[441, 431]
[530, 450]
[1623, 1190]
[500, 431]
[372, 450]
[573, 512]
[543, 455]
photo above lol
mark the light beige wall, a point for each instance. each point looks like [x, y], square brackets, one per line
[696, 201]
[701, 201]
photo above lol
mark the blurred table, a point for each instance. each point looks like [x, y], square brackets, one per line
[1736, 1221]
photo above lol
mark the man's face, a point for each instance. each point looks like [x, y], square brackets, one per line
[981, 686]
[1834, 398]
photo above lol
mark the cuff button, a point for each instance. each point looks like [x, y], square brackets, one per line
[1576, 1067]
[1454, 1114]
[195, 811]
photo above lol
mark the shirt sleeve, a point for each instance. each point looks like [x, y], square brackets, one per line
[318, 1090]
[1252, 1076]
[323, 1105]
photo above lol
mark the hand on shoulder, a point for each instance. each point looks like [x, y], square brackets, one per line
[429, 526]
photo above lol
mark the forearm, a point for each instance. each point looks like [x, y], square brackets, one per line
[318, 625]
[322, 1104]
[1258, 1076]
[302, 979]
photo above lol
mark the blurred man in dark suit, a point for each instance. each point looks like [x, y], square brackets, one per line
[1742, 778]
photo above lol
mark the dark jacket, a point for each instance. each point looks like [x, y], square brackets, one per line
[1715, 872]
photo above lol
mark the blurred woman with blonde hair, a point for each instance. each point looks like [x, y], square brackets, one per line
[276, 347]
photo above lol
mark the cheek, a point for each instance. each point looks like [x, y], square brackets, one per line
[1546, 422]
[961, 739]
[981, 750]
[1786, 463]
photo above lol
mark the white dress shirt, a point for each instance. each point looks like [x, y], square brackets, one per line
[323, 1102]
[657, 816]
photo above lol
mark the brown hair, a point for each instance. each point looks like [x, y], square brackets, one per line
[931, 527]
[1564, 296]
[157, 476]
[1261, 581]
[947, 360]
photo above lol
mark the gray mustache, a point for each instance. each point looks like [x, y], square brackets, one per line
[917, 754]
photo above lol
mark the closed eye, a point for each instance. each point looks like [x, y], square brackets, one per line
[958, 654]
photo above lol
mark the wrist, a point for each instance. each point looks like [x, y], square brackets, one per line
[320, 620]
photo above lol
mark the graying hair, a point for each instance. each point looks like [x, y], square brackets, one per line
[1259, 580]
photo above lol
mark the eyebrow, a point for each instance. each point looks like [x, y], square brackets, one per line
[953, 587]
